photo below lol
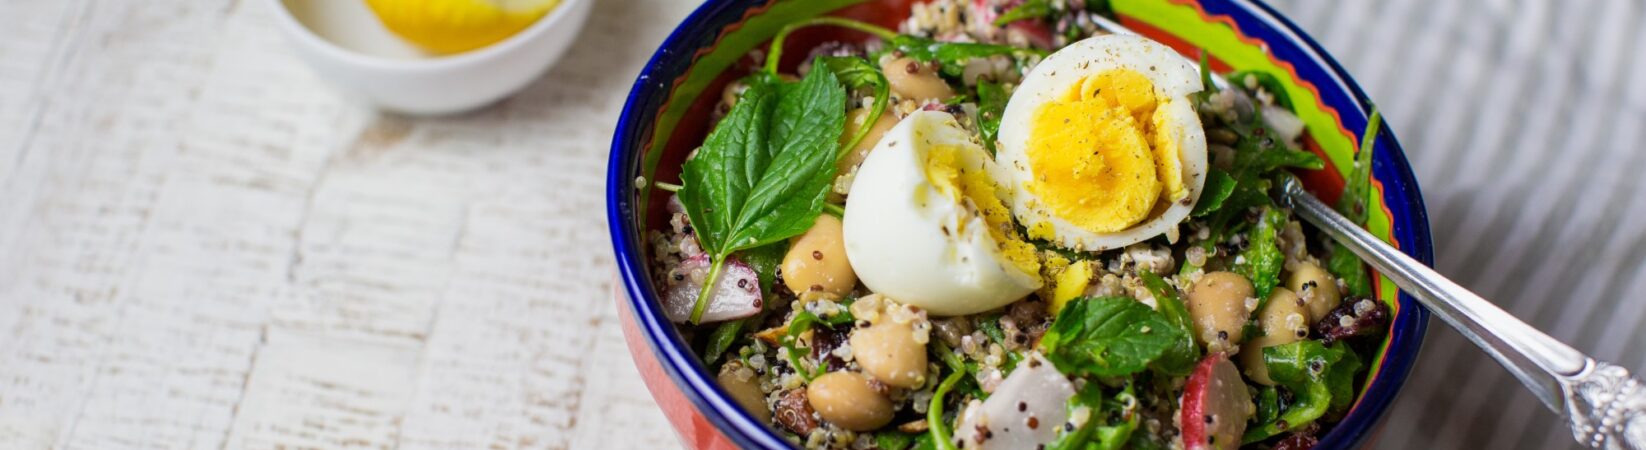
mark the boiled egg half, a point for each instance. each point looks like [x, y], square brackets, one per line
[1101, 145]
[927, 224]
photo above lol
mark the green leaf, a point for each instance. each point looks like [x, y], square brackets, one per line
[1304, 368]
[765, 260]
[1345, 264]
[717, 180]
[731, 48]
[1100, 7]
[1264, 80]
[934, 412]
[859, 73]
[1181, 358]
[1107, 336]
[1030, 9]
[806, 129]
[1219, 186]
[952, 56]
[893, 440]
[1268, 405]
[721, 339]
[1262, 260]
[1340, 379]
[1113, 419]
[991, 107]
[1353, 203]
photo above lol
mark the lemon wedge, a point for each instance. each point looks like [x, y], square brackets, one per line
[453, 26]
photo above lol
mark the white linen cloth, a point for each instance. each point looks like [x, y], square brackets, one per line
[1525, 121]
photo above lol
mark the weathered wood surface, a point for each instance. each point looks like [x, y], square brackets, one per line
[202, 246]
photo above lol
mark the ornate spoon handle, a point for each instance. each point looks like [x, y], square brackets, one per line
[1605, 406]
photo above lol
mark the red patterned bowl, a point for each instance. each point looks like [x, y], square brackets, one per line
[667, 115]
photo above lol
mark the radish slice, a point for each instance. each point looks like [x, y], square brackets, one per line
[1283, 122]
[736, 292]
[1215, 405]
[1025, 411]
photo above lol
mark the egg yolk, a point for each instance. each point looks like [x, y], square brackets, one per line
[1101, 158]
[977, 192]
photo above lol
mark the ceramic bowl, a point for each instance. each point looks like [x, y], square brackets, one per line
[344, 42]
[667, 115]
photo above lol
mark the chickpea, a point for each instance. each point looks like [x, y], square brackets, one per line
[1217, 306]
[855, 122]
[912, 79]
[1317, 287]
[1284, 320]
[817, 260]
[744, 387]
[887, 350]
[849, 400]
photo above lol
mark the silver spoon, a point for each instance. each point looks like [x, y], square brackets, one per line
[1604, 405]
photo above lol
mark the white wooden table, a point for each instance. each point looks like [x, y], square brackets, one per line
[201, 246]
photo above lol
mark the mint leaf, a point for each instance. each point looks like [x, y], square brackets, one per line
[806, 131]
[1179, 359]
[1107, 336]
[1262, 260]
[716, 181]
[762, 173]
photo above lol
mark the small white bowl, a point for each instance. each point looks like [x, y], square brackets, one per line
[348, 46]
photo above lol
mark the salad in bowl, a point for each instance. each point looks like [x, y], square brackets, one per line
[1006, 224]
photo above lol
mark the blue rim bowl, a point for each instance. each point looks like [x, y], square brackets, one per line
[1285, 41]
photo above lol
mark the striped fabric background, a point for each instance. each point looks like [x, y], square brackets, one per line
[1524, 121]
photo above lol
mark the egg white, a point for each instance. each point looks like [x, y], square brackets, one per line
[910, 241]
[1174, 79]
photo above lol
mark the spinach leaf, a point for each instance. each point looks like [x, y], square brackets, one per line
[1262, 260]
[1029, 9]
[952, 56]
[1113, 419]
[991, 107]
[1219, 186]
[1107, 336]
[762, 173]
[1353, 203]
[1305, 368]
[722, 339]
[1181, 357]
[893, 440]
[1340, 379]
[1100, 7]
[1264, 80]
